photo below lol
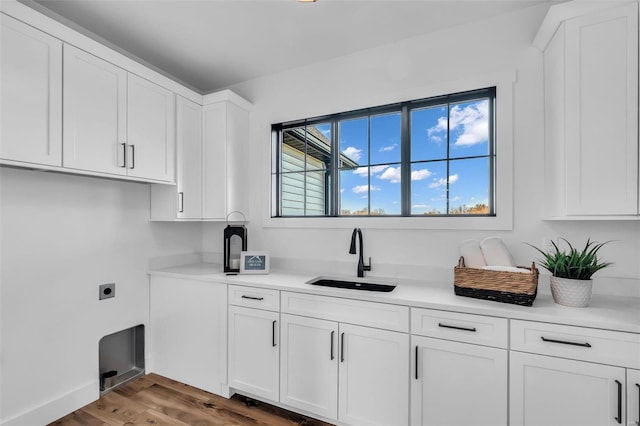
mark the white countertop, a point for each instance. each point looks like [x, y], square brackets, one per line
[606, 312]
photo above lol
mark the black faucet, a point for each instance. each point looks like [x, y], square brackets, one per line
[361, 266]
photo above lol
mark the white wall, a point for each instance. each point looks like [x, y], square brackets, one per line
[61, 237]
[402, 71]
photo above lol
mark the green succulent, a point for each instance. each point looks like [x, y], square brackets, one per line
[573, 264]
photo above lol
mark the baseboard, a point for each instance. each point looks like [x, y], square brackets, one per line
[57, 408]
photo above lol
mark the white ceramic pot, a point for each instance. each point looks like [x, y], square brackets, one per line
[568, 292]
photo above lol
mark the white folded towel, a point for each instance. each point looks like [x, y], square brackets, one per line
[470, 250]
[495, 252]
[507, 269]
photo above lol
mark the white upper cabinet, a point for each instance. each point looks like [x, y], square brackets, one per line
[116, 122]
[225, 156]
[183, 201]
[212, 162]
[150, 130]
[95, 113]
[30, 94]
[591, 110]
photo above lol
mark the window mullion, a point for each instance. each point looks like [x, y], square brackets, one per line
[448, 155]
[334, 173]
[405, 162]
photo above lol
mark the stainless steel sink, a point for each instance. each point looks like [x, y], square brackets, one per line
[368, 284]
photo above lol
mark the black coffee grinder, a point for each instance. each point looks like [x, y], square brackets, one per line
[235, 241]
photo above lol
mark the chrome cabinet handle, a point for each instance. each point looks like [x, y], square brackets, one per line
[124, 155]
[342, 347]
[180, 202]
[472, 329]
[565, 342]
[416, 362]
[133, 156]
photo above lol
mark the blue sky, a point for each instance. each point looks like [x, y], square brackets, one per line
[468, 179]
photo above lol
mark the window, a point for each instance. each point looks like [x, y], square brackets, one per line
[429, 157]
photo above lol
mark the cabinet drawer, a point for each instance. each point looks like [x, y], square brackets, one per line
[476, 329]
[587, 344]
[254, 297]
[370, 314]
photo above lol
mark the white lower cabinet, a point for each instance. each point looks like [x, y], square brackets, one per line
[457, 383]
[555, 391]
[352, 374]
[374, 367]
[188, 331]
[459, 368]
[569, 375]
[633, 397]
[309, 365]
[254, 351]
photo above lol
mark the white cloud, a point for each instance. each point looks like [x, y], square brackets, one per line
[420, 174]
[392, 174]
[473, 119]
[353, 153]
[437, 183]
[359, 189]
[364, 171]
[388, 148]
[420, 206]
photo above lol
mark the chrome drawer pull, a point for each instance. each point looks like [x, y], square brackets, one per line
[252, 297]
[564, 342]
[472, 329]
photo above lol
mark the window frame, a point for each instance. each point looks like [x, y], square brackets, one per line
[333, 168]
[504, 81]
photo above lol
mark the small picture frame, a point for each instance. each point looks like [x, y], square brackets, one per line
[254, 262]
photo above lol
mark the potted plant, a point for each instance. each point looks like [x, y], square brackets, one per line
[571, 271]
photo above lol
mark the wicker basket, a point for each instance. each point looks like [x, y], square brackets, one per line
[507, 287]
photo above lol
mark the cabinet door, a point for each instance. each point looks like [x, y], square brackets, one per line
[214, 157]
[254, 351]
[225, 154]
[633, 397]
[373, 377]
[309, 365]
[30, 94]
[189, 164]
[188, 331]
[183, 201]
[556, 391]
[602, 112]
[94, 121]
[150, 130]
[449, 375]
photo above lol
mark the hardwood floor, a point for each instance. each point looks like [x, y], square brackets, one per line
[156, 400]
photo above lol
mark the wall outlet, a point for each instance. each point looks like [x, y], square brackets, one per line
[107, 291]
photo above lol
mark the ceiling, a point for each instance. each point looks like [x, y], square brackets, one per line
[212, 44]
